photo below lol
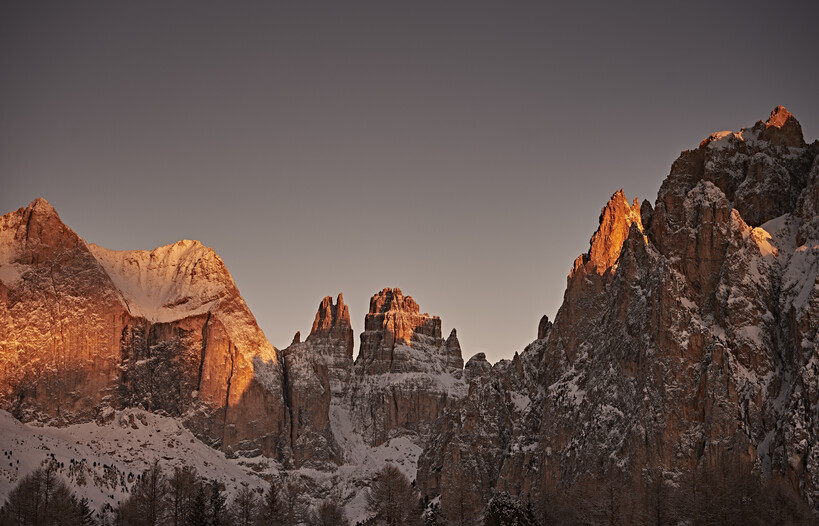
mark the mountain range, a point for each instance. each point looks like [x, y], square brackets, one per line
[687, 335]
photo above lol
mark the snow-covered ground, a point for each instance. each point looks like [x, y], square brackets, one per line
[101, 461]
[164, 284]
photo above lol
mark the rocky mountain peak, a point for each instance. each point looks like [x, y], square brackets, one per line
[326, 352]
[615, 220]
[395, 319]
[36, 233]
[452, 339]
[761, 171]
[399, 317]
[477, 367]
[392, 300]
[333, 322]
[406, 374]
[169, 282]
[685, 293]
[41, 206]
[782, 128]
[453, 346]
[779, 116]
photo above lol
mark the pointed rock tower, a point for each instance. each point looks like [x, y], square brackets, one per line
[405, 373]
[332, 338]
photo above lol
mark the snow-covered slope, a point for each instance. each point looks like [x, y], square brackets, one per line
[101, 461]
[159, 285]
[180, 280]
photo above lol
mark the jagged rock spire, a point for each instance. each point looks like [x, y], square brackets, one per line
[543, 327]
[615, 220]
[782, 128]
[453, 347]
[607, 242]
[397, 319]
[394, 318]
[333, 322]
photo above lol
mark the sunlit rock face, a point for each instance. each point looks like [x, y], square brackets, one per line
[406, 374]
[61, 318]
[393, 321]
[87, 328]
[615, 221]
[687, 332]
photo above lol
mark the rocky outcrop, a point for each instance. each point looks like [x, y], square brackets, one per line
[615, 221]
[405, 373]
[687, 334]
[317, 372]
[332, 338]
[87, 328]
[782, 129]
[393, 321]
[454, 358]
[593, 271]
[543, 327]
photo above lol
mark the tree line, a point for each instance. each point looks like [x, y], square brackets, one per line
[183, 498]
[724, 494]
[157, 498]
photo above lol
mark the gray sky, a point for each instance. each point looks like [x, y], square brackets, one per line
[461, 151]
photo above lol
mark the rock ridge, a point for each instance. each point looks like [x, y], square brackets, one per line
[687, 334]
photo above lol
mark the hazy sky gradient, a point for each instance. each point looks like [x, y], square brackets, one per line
[458, 150]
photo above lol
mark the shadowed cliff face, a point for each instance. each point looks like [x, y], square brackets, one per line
[317, 372]
[687, 333]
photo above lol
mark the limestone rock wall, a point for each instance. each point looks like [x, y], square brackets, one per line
[405, 373]
[60, 321]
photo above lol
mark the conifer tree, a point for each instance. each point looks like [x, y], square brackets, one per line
[197, 512]
[393, 499]
[244, 508]
[272, 509]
